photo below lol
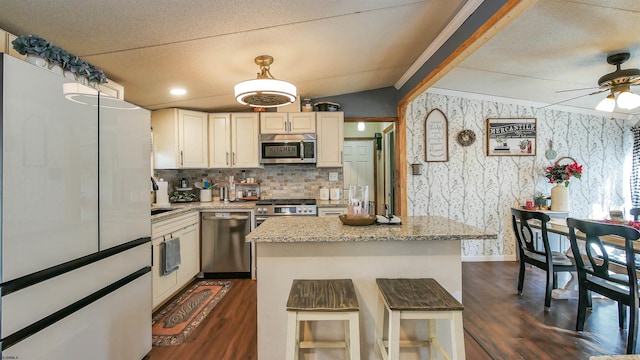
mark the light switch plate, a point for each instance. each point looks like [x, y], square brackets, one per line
[333, 176]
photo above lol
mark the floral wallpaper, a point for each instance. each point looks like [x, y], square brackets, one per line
[479, 190]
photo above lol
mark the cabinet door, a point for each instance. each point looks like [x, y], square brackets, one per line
[244, 140]
[192, 132]
[50, 170]
[273, 123]
[330, 138]
[124, 172]
[302, 123]
[163, 285]
[219, 140]
[189, 253]
[331, 211]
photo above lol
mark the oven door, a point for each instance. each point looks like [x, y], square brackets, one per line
[288, 149]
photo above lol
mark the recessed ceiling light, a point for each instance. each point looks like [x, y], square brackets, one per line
[178, 91]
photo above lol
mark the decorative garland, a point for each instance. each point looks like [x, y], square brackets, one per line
[35, 45]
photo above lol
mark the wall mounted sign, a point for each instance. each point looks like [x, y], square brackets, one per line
[511, 137]
[436, 136]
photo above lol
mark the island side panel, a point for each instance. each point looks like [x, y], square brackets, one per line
[363, 262]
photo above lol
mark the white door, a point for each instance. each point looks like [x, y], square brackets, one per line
[359, 165]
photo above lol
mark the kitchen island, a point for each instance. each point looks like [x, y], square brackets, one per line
[290, 248]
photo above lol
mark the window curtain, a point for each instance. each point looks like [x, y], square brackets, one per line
[635, 168]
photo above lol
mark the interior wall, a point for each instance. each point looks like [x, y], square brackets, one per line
[479, 190]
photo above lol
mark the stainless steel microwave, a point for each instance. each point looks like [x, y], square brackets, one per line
[288, 148]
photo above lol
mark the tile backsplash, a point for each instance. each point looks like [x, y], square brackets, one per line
[296, 181]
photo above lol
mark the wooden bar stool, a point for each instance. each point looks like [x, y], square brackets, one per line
[417, 299]
[318, 300]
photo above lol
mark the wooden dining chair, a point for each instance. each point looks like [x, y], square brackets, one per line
[595, 269]
[539, 256]
[635, 212]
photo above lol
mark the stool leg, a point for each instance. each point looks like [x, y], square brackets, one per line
[293, 336]
[379, 325]
[457, 335]
[394, 335]
[354, 336]
[431, 336]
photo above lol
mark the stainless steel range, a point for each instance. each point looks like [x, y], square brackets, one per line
[285, 207]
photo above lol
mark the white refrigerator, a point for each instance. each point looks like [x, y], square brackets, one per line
[75, 220]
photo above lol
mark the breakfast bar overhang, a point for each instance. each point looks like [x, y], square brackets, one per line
[324, 248]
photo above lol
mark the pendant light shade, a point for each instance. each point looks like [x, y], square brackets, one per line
[265, 91]
[628, 100]
[607, 104]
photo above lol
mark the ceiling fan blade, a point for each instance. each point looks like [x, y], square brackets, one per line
[573, 98]
[569, 90]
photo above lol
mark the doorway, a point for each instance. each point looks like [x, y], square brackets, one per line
[375, 133]
[360, 165]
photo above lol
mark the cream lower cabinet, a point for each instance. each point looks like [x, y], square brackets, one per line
[331, 211]
[233, 140]
[179, 139]
[187, 228]
[329, 125]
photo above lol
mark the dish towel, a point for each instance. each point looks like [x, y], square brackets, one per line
[171, 256]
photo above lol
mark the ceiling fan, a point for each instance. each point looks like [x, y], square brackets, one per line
[619, 83]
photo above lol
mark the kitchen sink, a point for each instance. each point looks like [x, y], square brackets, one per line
[159, 211]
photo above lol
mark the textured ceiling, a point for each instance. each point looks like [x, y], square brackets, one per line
[324, 47]
[555, 45]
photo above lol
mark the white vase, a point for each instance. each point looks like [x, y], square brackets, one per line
[37, 60]
[560, 198]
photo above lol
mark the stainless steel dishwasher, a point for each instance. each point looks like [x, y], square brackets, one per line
[225, 254]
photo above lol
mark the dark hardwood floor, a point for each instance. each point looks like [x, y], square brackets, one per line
[498, 323]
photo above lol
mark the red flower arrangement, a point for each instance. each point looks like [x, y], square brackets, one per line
[562, 173]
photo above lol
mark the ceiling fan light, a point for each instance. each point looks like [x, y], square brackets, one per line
[607, 104]
[628, 100]
[265, 91]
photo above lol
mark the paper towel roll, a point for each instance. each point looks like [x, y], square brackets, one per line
[162, 194]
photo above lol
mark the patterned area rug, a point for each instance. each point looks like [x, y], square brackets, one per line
[173, 324]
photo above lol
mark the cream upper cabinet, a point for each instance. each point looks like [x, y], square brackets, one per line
[220, 140]
[330, 126]
[179, 139]
[287, 123]
[233, 140]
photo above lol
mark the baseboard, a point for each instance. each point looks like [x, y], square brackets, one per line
[489, 258]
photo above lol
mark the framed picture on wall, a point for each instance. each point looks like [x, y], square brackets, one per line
[511, 137]
[436, 136]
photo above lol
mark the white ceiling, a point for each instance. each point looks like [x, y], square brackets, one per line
[324, 47]
[554, 45]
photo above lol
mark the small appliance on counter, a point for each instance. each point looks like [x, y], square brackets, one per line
[334, 194]
[324, 194]
[162, 194]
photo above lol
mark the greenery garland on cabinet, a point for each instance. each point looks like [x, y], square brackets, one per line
[35, 45]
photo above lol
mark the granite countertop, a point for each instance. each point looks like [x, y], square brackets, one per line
[183, 208]
[330, 229]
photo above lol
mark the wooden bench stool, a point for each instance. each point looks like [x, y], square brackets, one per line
[417, 299]
[318, 300]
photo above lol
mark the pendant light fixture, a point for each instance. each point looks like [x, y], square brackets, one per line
[265, 91]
